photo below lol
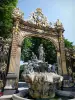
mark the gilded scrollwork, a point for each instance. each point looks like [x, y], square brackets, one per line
[38, 18]
[16, 27]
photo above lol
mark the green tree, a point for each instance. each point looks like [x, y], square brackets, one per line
[6, 21]
[25, 50]
[31, 45]
[68, 44]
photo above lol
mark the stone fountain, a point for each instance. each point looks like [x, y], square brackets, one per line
[42, 82]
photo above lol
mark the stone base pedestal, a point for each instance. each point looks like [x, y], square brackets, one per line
[11, 83]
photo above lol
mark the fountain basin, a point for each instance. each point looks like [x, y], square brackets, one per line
[42, 85]
[68, 94]
[20, 95]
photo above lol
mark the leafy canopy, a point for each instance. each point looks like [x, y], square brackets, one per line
[68, 44]
[31, 45]
[6, 22]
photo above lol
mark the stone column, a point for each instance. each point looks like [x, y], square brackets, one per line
[17, 61]
[59, 63]
[59, 28]
[15, 52]
[15, 49]
[62, 53]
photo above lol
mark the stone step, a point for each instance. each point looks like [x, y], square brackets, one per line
[6, 97]
[9, 91]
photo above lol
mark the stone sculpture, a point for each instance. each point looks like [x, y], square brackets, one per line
[41, 53]
[38, 18]
[4, 50]
[34, 57]
[58, 23]
[17, 13]
[41, 81]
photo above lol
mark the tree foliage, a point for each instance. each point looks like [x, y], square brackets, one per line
[31, 45]
[25, 50]
[6, 22]
[68, 44]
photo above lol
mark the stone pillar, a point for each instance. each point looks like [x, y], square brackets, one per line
[15, 52]
[62, 53]
[59, 63]
[17, 61]
[15, 49]
[59, 28]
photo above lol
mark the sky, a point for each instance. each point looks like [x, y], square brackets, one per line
[53, 10]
